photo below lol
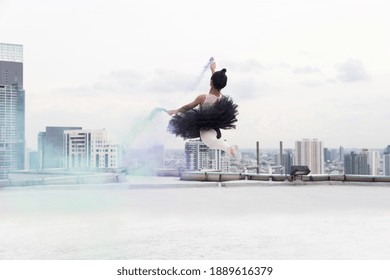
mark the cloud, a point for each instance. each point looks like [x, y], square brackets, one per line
[312, 83]
[120, 79]
[249, 65]
[306, 70]
[129, 84]
[247, 88]
[352, 70]
[167, 81]
[157, 81]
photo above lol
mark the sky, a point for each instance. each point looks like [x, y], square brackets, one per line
[297, 69]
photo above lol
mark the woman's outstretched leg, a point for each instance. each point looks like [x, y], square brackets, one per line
[209, 137]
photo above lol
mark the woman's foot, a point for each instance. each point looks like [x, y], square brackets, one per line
[232, 151]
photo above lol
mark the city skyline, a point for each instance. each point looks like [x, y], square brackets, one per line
[297, 69]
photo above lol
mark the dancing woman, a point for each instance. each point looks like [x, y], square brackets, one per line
[206, 115]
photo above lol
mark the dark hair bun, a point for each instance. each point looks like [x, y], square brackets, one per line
[219, 79]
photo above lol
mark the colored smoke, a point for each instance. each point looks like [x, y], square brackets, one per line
[199, 78]
[141, 125]
[144, 151]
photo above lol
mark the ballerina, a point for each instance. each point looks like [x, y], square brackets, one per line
[206, 115]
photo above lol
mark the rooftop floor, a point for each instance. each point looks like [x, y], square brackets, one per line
[165, 218]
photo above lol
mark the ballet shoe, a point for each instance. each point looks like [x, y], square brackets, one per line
[233, 151]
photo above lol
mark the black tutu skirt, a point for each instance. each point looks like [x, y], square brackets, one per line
[220, 115]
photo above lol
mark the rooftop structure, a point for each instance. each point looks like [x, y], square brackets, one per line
[11, 52]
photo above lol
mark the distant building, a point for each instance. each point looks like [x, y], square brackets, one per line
[200, 157]
[310, 152]
[288, 161]
[341, 153]
[327, 155]
[224, 162]
[89, 149]
[357, 163]
[51, 147]
[334, 155]
[33, 160]
[374, 162]
[386, 161]
[12, 109]
[386, 164]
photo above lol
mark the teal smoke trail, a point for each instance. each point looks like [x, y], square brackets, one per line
[141, 125]
[155, 111]
[199, 78]
[141, 161]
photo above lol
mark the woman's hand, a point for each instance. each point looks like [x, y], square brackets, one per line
[213, 66]
[172, 112]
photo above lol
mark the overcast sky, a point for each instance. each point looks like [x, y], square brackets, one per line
[297, 69]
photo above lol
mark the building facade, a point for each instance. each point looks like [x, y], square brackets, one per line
[357, 164]
[386, 161]
[310, 152]
[386, 164]
[341, 153]
[288, 160]
[201, 157]
[89, 149]
[12, 109]
[51, 146]
[374, 159]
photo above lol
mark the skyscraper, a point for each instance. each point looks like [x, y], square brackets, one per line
[12, 109]
[327, 155]
[310, 152]
[341, 154]
[199, 156]
[386, 161]
[374, 162]
[89, 149]
[288, 160]
[51, 147]
[357, 163]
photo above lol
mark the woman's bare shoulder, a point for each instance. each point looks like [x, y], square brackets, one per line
[201, 98]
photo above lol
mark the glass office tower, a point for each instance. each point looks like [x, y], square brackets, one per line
[12, 109]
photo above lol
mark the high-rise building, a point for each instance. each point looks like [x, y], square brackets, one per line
[386, 161]
[51, 147]
[327, 155]
[334, 155]
[310, 152]
[12, 109]
[341, 153]
[89, 149]
[288, 160]
[374, 162]
[357, 163]
[200, 157]
[386, 164]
